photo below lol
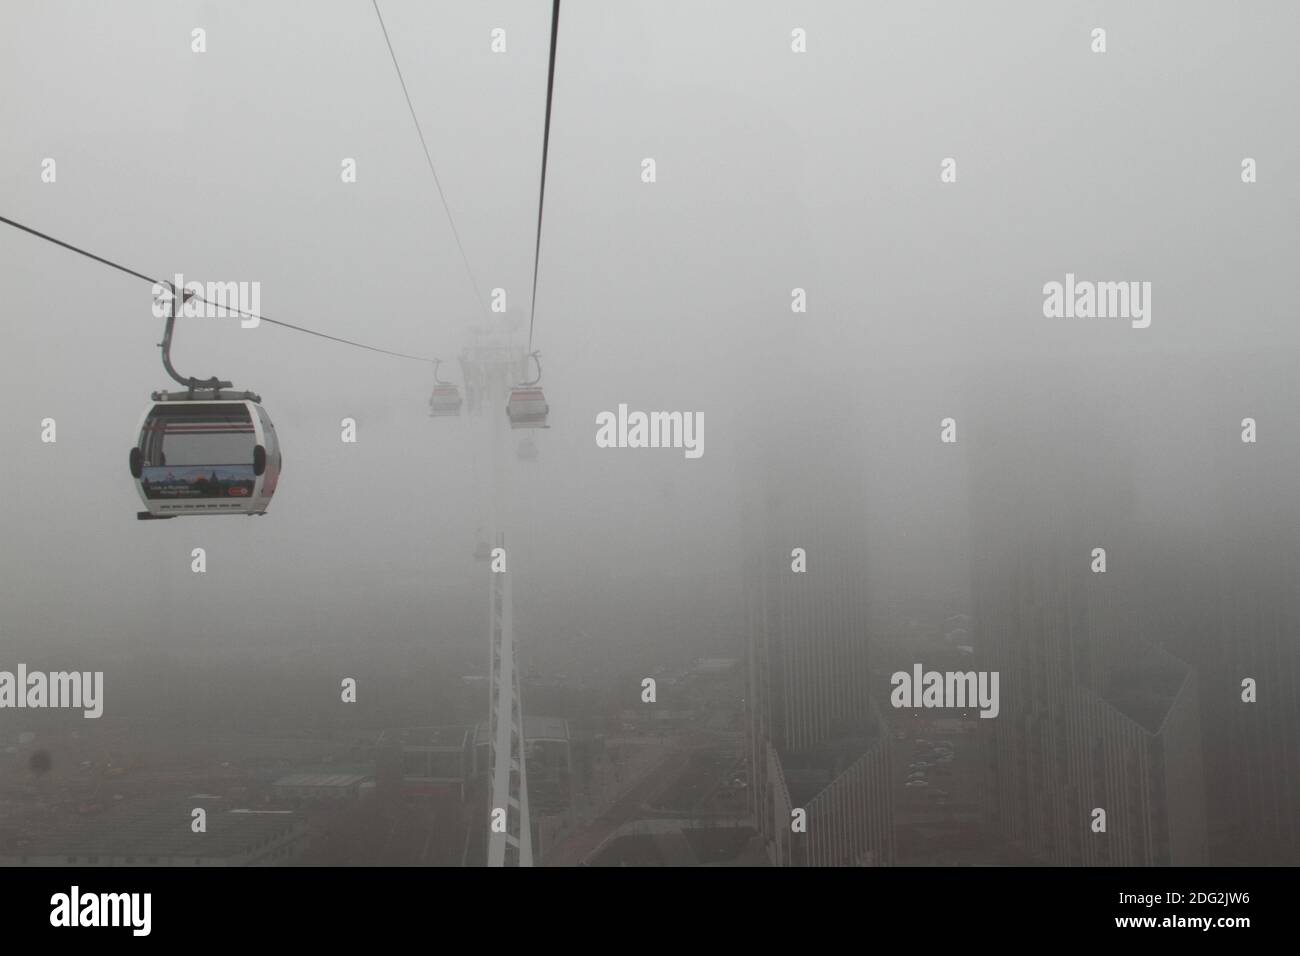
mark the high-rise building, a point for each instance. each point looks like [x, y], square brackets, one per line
[1098, 725]
[817, 741]
[1224, 598]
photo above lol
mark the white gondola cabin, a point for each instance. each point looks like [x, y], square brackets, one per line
[527, 407]
[445, 401]
[212, 453]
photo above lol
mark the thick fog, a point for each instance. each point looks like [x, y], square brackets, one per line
[774, 172]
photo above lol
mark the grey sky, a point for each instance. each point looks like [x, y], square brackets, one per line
[774, 171]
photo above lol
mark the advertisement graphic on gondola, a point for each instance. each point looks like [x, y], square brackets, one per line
[198, 481]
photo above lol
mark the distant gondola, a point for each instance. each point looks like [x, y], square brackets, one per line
[527, 406]
[445, 401]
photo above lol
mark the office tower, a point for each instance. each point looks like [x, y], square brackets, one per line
[1094, 714]
[817, 741]
[1223, 591]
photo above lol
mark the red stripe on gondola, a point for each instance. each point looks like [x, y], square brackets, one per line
[197, 427]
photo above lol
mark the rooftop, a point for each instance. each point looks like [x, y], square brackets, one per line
[1146, 692]
[161, 828]
[323, 780]
[447, 737]
[535, 728]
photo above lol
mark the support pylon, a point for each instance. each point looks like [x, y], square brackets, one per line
[514, 846]
[492, 368]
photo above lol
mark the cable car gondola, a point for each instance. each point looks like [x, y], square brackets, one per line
[527, 450]
[204, 451]
[445, 401]
[527, 406]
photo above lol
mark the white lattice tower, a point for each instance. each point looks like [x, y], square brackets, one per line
[491, 366]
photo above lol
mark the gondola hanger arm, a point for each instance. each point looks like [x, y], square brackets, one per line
[190, 383]
[537, 360]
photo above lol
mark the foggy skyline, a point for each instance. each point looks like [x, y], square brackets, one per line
[779, 179]
[774, 172]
